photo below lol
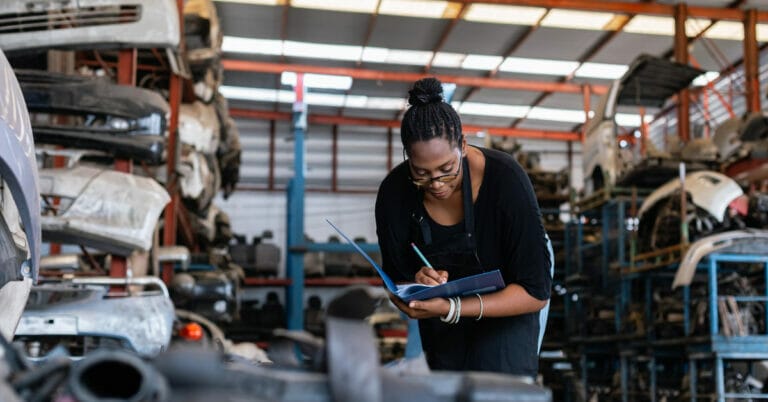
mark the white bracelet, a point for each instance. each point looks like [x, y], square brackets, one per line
[458, 311]
[481, 307]
[451, 311]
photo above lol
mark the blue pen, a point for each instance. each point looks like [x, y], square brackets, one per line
[424, 259]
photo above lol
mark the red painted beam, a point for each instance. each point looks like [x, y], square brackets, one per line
[381, 75]
[351, 121]
[681, 56]
[751, 61]
[613, 6]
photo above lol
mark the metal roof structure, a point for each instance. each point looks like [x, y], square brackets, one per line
[525, 75]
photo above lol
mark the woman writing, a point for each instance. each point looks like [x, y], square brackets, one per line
[469, 210]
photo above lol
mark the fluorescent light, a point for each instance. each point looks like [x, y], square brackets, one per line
[352, 6]
[601, 70]
[562, 115]
[449, 60]
[560, 18]
[500, 14]
[235, 44]
[494, 110]
[322, 81]
[538, 66]
[705, 78]
[479, 62]
[728, 30]
[321, 51]
[413, 8]
[646, 24]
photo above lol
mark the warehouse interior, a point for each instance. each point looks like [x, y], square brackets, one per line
[189, 190]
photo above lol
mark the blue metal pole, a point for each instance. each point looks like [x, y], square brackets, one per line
[713, 319]
[622, 225]
[693, 379]
[687, 310]
[295, 215]
[719, 379]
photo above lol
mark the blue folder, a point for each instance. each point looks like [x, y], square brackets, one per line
[475, 284]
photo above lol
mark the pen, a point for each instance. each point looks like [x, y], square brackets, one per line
[424, 259]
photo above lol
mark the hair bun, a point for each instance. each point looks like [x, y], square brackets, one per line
[426, 91]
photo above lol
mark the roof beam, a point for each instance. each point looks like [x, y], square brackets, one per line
[444, 36]
[613, 6]
[351, 121]
[380, 75]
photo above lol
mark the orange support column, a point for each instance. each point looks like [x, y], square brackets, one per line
[681, 56]
[751, 61]
[587, 93]
[126, 75]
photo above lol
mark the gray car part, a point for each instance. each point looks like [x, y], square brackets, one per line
[141, 322]
[20, 234]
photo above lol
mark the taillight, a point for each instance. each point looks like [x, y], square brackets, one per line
[191, 332]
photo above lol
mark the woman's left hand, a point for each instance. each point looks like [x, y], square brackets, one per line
[418, 309]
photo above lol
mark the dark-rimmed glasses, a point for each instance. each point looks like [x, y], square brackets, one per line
[426, 181]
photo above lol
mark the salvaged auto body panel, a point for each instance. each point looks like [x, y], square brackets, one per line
[19, 202]
[101, 208]
[199, 180]
[202, 31]
[648, 82]
[84, 315]
[230, 149]
[748, 241]
[28, 25]
[93, 113]
[199, 127]
[709, 190]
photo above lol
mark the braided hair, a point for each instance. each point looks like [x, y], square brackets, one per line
[429, 117]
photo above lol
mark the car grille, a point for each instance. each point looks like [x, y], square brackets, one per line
[59, 19]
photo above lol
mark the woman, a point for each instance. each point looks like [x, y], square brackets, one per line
[469, 210]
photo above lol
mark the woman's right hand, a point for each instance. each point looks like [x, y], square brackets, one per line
[431, 276]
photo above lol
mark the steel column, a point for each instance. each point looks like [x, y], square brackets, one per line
[681, 56]
[390, 150]
[751, 61]
[169, 230]
[271, 178]
[335, 157]
[295, 215]
[587, 94]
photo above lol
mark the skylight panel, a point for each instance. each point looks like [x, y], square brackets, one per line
[408, 57]
[501, 14]
[480, 62]
[385, 103]
[762, 32]
[414, 8]
[729, 30]
[321, 51]
[321, 99]
[652, 25]
[351, 6]
[355, 101]
[538, 66]
[322, 81]
[448, 60]
[705, 78]
[236, 44]
[493, 110]
[561, 115]
[601, 70]
[560, 18]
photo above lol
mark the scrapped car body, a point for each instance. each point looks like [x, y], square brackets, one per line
[105, 209]
[199, 180]
[709, 190]
[27, 25]
[709, 196]
[747, 241]
[202, 31]
[82, 315]
[20, 236]
[230, 150]
[93, 113]
[199, 127]
[648, 82]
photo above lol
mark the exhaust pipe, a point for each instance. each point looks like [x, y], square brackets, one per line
[110, 376]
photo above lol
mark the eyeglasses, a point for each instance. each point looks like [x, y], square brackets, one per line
[426, 181]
